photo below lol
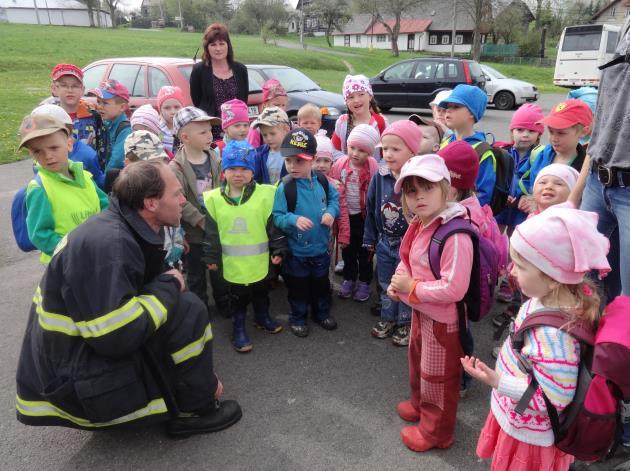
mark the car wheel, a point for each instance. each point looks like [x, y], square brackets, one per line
[504, 101]
[384, 109]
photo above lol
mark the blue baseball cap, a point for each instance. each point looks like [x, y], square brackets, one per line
[473, 98]
[238, 154]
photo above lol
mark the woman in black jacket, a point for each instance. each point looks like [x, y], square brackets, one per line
[217, 78]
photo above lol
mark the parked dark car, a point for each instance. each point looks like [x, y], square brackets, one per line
[413, 83]
[301, 90]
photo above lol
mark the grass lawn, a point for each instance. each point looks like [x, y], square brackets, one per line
[30, 52]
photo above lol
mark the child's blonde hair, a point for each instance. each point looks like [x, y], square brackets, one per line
[586, 296]
[409, 184]
[309, 111]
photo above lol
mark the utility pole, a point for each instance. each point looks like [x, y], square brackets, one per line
[454, 32]
[181, 18]
[302, 23]
[36, 12]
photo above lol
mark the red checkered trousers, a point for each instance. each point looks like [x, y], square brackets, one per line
[434, 375]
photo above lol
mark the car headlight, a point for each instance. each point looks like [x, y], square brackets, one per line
[330, 110]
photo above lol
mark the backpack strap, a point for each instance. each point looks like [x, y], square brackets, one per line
[443, 232]
[121, 127]
[290, 189]
[482, 149]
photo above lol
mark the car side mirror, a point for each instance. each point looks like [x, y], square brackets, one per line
[488, 79]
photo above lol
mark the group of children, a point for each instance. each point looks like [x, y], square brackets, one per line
[272, 198]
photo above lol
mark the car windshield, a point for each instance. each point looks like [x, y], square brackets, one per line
[186, 70]
[291, 79]
[493, 72]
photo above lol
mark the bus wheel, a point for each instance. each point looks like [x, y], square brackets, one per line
[504, 101]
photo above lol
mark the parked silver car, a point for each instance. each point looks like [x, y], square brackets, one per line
[506, 93]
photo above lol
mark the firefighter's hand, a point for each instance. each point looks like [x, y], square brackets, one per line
[179, 277]
[213, 266]
[276, 260]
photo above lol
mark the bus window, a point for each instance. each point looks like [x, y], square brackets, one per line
[611, 44]
[581, 41]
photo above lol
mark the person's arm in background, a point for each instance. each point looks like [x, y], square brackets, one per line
[195, 85]
[576, 194]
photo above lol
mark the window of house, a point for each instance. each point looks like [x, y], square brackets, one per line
[380, 38]
[446, 39]
[433, 39]
[459, 39]
[357, 38]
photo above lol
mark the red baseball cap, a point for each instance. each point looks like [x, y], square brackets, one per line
[66, 69]
[110, 89]
[462, 163]
[569, 113]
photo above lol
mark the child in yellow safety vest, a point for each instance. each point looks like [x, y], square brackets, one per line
[64, 195]
[241, 239]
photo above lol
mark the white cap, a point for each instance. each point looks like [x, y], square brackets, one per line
[440, 97]
[430, 167]
[55, 111]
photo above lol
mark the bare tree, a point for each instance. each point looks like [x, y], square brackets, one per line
[91, 4]
[332, 13]
[480, 11]
[112, 5]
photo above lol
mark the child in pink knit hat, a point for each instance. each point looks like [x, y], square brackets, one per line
[234, 122]
[552, 253]
[355, 171]
[169, 101]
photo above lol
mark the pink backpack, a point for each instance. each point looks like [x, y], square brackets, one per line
[587, 428]
[489, 229]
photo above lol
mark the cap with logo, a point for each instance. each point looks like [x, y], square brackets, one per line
[190, 114]
[568, 114]
[145, 145]
[66, 69]
[271, 116]
[299, 142]
[40, 125]
[109, 89]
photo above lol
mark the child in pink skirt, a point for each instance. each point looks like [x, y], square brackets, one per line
[552, 253]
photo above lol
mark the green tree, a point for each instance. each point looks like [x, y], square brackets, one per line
[333, 14]
[258, 16]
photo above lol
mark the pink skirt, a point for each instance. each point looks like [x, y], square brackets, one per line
[510, 454]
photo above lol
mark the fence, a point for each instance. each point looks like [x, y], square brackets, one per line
[534, 61]
[499, 50]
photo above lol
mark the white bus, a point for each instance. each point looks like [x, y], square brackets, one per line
[581, 50]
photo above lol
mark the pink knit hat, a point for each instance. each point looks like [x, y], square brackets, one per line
[462, 162]
[167, 92]
[356, 83]
[528, 116]
[324, 146]
[232, 112]
[563, 243]
[364, 137]
[147, 116]
[430, 167]
[408, 131]
[564, 172]
[271, 89]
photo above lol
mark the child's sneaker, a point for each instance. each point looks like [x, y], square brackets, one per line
[339, 268]
[362, 293]
[495, 352]
[505, 317]
[383, 329]
[401, 335]
[299, 330]
[346, 289]
[267, 324]
[505, 293]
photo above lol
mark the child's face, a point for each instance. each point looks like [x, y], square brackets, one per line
[111, 108]
[69, 90]
[274, 135]
[430, 140]
[395, 152]
[358, 102]
[51, 152]
[237, 131]
[238, 177]
[280, 101]
[197, 136]
[458, 117]
[550, 190]
[524, 138]
[531, 280]
[358, 157]
[322, 164]
[169, 108]
[298, 167]
[425, 199]
[311, 123]
[439, 114]
[565, 141]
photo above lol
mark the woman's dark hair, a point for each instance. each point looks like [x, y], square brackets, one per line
[217, 32]
[139, 180]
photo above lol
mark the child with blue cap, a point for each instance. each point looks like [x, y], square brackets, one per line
[242, 240]
[465, 107]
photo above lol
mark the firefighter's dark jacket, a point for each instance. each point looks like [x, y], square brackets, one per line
[100, 300]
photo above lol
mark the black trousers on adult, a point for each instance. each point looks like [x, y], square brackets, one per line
[197, 281]
[356, 260]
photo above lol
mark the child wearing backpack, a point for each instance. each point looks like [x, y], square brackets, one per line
[385, 225]
[552, 253]
[434, 343]
[355, 171]
[307, 226]
[62, 195]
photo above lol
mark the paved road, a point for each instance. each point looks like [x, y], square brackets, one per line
[320, 403]
[305, 46]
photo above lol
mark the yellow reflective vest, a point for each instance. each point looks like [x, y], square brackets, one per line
[243, 233]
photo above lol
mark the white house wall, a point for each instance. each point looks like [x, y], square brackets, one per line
[421, 43]
[57, 17]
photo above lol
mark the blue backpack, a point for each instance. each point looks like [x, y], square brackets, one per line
[18, 218]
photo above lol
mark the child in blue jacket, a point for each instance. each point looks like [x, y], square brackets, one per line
[308, 229]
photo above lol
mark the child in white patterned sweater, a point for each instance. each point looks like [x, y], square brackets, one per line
[552, 253]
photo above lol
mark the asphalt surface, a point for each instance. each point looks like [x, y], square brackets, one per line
[320, 403]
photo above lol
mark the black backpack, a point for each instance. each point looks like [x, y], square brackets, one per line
[504, 169]
[290, 189]
[102, 143]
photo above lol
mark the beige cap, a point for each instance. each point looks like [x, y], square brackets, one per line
[145, 145]
[40, 125]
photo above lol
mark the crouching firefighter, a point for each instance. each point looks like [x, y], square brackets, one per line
[113, 339]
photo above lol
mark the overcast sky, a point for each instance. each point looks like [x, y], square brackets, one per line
[130, 5]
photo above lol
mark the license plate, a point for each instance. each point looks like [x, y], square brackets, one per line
[252, 111]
